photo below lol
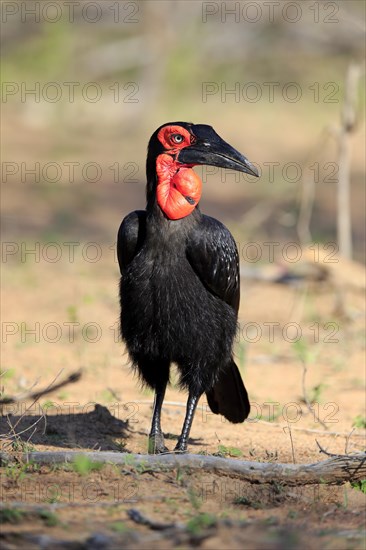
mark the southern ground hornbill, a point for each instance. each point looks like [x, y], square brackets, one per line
[179, 290]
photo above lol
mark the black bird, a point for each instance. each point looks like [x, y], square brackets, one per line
[179, 290]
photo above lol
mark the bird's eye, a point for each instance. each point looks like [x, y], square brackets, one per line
[177, 138]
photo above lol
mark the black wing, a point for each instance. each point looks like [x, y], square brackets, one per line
[131, 236]
[213, 255]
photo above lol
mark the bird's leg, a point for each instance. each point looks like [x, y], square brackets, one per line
[156, 437]
[181, 446]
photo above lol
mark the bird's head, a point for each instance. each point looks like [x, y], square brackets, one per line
[173, 150]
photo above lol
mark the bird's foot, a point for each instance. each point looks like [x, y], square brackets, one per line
[156, 444]
[181, 446]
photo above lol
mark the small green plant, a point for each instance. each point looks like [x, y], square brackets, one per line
[315, 393]
[22, 446]
[47, 405]
[200, 522]
[359, 485]
[130, 460]
[359, 421]
[62, 467]
[119, 527]
[228, 451]
[143, 467]
[203, 453]
[107, 396]
[244, 501]
[15, 472]
[194, 498]
[83, 465]
[179, 475]
[54, 494]
[63, 395]
[120, 445]
[302, 351]
[33, 467]
[72, 314]
[7, 374]
[49, 518]
[11, 515]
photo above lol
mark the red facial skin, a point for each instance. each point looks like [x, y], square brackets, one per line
[176, 181]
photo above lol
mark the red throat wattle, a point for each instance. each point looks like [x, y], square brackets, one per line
[179, 188]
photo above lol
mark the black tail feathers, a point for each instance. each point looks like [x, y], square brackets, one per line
[229, 396]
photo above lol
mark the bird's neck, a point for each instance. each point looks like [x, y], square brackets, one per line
[174, 188]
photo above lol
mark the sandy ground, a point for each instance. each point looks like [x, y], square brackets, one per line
[62, 316]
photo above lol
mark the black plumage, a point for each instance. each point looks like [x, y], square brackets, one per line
[180, 289]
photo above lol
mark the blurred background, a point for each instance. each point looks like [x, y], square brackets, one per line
[90, 82]
[85, 84]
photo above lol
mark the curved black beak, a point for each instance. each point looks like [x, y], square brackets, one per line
[211, 150]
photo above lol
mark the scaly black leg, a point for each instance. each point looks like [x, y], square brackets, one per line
[181, 446]
[156, 437]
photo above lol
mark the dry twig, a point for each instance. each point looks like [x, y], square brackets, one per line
[336, 470]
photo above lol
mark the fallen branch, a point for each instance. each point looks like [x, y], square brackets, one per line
[336, 470]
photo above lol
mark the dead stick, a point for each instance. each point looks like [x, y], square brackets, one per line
[335, 470]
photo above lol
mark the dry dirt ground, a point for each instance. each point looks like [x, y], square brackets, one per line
[60, 316]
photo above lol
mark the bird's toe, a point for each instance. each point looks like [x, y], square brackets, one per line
[181, 447]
